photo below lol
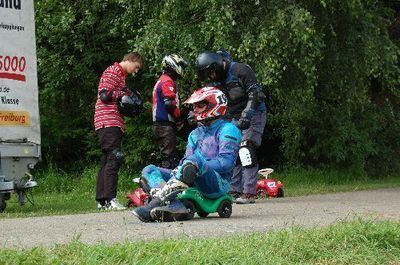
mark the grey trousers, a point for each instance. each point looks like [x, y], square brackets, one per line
[244, 180]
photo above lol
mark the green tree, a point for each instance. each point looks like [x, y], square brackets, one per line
[330, 69]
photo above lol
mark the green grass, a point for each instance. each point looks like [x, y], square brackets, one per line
[61, 193]
[300, 182]
[359, 242]
[58, 193]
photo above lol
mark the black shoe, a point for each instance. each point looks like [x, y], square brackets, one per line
[235, 195]
[166, 213]
[246, 198]
[143, 212]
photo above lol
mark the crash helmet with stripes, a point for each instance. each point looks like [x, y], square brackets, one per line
[174, 63]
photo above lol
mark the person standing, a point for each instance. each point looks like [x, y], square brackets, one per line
[247, 109]
[166, 110]
[110, 126]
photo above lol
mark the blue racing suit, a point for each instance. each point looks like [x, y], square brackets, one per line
[214, 149]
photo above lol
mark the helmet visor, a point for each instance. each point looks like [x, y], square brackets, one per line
[203, 73]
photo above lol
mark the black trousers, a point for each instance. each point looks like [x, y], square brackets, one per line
[165, 137]
[111, 161]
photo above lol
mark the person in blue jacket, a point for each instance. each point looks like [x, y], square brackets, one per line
[210, 157]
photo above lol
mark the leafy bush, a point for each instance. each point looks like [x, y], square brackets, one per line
[330, 69]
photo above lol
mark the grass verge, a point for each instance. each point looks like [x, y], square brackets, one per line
[60, 193]
[359, 242]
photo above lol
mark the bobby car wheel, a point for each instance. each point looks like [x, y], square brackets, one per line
[280, 193]
[186, 216]
[262, 194]
[225, 209]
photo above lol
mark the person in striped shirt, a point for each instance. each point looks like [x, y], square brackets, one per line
[110, 126]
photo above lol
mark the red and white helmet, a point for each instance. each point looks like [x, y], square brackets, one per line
[209, 103]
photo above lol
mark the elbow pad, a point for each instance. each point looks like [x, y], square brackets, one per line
[106, 96]
[169, 105]
[247, 153]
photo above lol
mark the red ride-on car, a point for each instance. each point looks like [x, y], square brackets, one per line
[138, 198]
[267, 187]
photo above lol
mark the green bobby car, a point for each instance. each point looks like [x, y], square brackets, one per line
[195, 202]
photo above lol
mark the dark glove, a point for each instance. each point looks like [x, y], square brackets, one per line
[126, 91]
[190, 118]
[106, 96]
[243, 123]
[245, 119]
[179, 124]
[214, 84]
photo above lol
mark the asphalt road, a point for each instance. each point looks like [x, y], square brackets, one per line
[266, 215]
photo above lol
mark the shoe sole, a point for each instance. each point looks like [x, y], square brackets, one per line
[139, 217]
[172, 212]
[162, 216]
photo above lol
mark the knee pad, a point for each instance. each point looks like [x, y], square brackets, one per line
[118, 155]
[144, 185]
[189, 173]
[247, 154]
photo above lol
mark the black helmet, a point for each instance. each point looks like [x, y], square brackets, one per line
[226, 56]
[174, 63]
[132, 105]
[207, 62]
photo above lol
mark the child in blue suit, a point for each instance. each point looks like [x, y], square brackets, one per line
[209, 159]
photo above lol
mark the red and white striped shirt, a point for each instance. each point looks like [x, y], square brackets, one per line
[107, 114]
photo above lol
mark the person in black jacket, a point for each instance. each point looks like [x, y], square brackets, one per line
[246, 108]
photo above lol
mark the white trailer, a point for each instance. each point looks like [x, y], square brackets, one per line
[19, 106]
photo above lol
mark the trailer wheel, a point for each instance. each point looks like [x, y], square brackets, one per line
[3, 205]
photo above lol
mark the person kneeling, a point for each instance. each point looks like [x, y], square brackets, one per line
[210, 157]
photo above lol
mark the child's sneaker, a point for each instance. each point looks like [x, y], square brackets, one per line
[114, 205]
